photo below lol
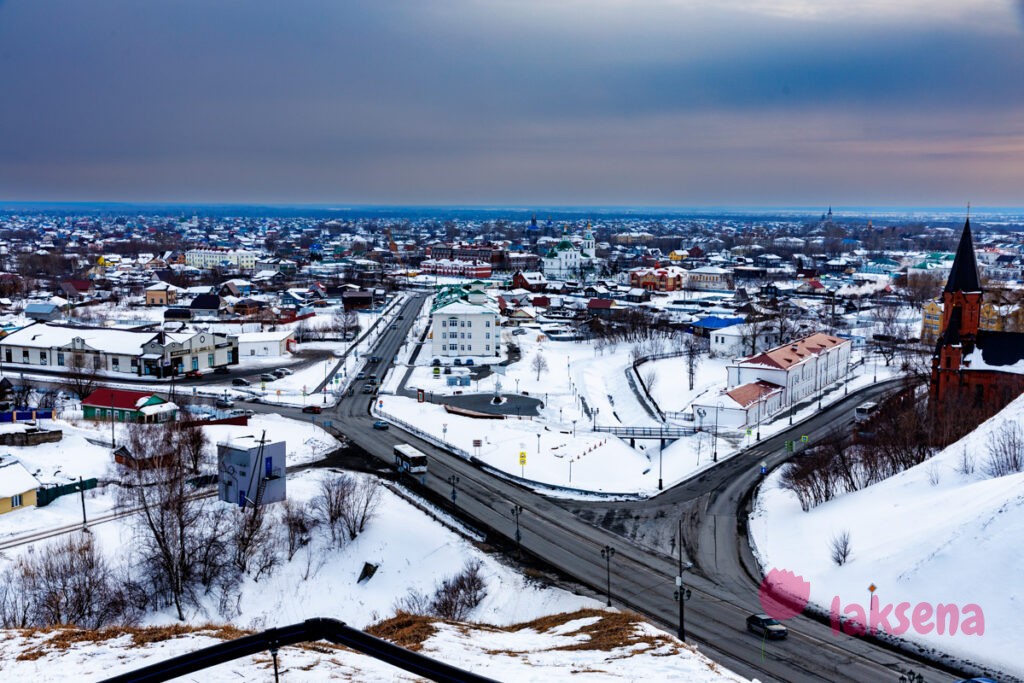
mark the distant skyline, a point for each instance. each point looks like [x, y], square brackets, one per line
[788, 103]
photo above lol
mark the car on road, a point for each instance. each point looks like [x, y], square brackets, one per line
[518, 331]
[316, 410]
[268, 377]
[374, 359]
[241, 382]
[367, 388]
[224, 403]
[361, 375]
[764, 625]
[222, 370]
[193, 373]
[401, 317]
[282, 372]
[380, 424]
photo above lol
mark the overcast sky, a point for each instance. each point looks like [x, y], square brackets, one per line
[520, 102]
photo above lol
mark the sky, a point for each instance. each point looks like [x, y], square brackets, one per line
[514, 102]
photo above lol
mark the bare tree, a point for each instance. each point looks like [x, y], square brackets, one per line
[650, 379]
[83, 374]
[1005, 451]
[332, 502]
[192, 440]
[298, 525]
[181, 547]
[362, 506]
[539, 364]
[839, 547]
[694, 350]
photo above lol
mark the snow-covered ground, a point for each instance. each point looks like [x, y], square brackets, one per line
[573, 646]
[932, 534]
[75, 456]
[579, 375]
[412, 552]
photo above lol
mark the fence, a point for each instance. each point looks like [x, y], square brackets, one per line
[25, 414]
[47, 494]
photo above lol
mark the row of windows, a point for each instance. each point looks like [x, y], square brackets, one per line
[461, 347]
[462, 335]
[462, 323]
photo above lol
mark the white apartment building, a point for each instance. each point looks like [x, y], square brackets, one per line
[466, 328]
[214, 256]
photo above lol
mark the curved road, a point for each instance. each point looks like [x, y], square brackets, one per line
[570, 537]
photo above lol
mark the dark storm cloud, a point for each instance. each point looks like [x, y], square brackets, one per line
[460, 101]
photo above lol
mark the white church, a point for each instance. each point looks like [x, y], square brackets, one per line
[565, 261]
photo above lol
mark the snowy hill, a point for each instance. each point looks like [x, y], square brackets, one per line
[944, 533]
[588, 645]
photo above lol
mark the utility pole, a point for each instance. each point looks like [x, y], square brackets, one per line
[81, 489]
[516, 511]
[682, 594]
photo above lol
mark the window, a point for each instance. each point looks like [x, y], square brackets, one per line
[115, 363]
[209, 360]
[42, 358]
[7, 355]
[444, 324]
[24, 355]
[487, 335]
[60, 358]
[195, 362]
[16, 501]
[443, 347]
[487, 347]
[487, 323]
[117, 414]
[96, 362]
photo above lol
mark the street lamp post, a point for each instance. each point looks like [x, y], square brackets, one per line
[444, 432]
[760, 407]
[682, 594]
[607, 553]
[538, 444]
[516, 511]
[570, 469]
[453, 480]
[718, 407]
[574, 429]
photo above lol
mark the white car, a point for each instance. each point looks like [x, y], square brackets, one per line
[283, 371]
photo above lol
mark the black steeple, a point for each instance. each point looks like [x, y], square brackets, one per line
[963, 277]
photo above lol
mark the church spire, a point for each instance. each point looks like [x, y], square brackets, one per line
[963, 276]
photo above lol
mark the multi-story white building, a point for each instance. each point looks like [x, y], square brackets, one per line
[215, 256]
[466, 327]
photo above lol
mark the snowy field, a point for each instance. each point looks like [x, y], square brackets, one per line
[556, 648]
[932, 534]
[579, 375]
[413, 553]
[75, 456]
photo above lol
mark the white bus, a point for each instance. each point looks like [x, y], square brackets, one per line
[410, 460]
[865, 411]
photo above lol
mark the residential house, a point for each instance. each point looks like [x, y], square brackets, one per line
[801, 367]
[263, 344]
[121, 405]
[666, 279]
[17, 486]
[43, 312]
[206, 306]
[530, 281]
[162, 294]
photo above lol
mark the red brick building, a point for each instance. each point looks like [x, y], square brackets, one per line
[981, 366]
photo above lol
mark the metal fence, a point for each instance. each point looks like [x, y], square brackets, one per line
[47, 494]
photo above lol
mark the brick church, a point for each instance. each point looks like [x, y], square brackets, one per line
[980, 366]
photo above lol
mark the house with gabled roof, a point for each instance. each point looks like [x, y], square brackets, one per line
[802, 367]
[123, 405]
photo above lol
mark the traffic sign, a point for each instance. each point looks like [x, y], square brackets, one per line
[749, 431]
[522, 458]
[804, 438]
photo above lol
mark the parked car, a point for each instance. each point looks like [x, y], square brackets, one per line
[380, 424]
[224, 403]
[193, 373]
[436, 362]
[316, 410]
[222, 370]
[268, 377]
[469, 361]
[458, 361]
[764, 625]
[518, 331]
[281, 372]
[241, 382]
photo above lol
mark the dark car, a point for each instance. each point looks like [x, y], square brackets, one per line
[222, 370]
[380, 424]
[279, 373]
[316, 410]
[268, 377]
[374, 359]
[241, 382]
[193, 373]
[401, 317]
[764, 625]
[518, 331]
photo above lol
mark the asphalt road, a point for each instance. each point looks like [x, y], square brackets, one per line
[570, 537]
